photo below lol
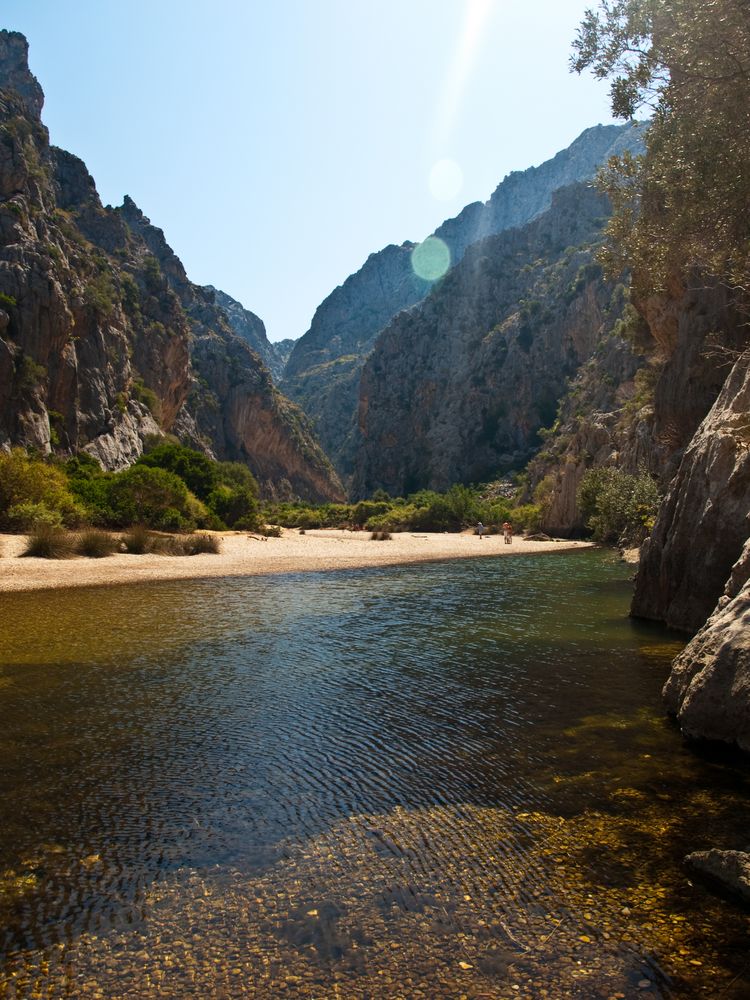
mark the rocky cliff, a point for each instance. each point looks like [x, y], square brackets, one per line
[323, 370]
[703, 522]
[103, 337]
[709, 685]
[252, 330]
[458, 388]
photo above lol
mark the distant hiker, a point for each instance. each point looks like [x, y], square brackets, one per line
[480, 530]
[508, 532]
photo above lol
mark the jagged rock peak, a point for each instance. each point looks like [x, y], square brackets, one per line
[15, 73]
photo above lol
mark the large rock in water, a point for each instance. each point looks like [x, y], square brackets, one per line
[708, 689]
[703, 523]
[729, 869]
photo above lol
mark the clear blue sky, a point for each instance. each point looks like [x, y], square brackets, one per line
[279, 142]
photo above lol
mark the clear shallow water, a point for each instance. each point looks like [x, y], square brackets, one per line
[436, 781]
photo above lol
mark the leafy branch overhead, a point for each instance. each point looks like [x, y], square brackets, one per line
[686, 204]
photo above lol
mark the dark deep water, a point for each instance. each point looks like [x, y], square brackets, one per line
[446, 780]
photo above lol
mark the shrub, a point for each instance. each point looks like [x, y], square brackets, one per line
[380, 536]
[196, 470]
[270, 531]
[47, 541]
[138, 540]
[234, 504]
[25, 480]
[194, 545]
[150, 496]
[526, 517]
[95, 544]
[27, 516]
[90, 484]
[618, 507]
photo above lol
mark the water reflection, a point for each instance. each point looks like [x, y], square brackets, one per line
[437, 780]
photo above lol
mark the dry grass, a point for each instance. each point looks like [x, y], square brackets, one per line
[47, 541]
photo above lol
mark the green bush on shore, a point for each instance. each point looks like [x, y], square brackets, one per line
[619, 507]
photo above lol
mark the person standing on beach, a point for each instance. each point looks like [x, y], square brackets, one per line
[508, 532]
[480, 530]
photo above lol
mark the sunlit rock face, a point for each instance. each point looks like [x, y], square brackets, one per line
[252, 330]
[102, 334]
[457, 388]
[323, 370]
[709, 686]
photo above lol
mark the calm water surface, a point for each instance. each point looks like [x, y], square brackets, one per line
[448, 780]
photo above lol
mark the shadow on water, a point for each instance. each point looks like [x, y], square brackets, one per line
[453, 774]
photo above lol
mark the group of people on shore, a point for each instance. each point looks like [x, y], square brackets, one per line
[507, 531]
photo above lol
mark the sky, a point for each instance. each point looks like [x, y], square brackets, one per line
[279, 142]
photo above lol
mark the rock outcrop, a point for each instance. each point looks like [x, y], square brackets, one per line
[729, 870]
[458, 388]
[252, 330]
[703, 522]
[102, 333]
[708, 689]
[324, 368]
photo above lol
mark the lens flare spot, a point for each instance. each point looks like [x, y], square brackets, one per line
[446, 180]
[431, 259]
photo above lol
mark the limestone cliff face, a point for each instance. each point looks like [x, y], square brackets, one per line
[323, 370]
[252, 330]
[98, 321]
[457, 388]
[322, 373]
[642, 396]
[703, 522]
[233, 409]
[709, 685]
[87, 354]
[603, 420]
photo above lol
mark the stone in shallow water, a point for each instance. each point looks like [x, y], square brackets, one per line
[731, 869]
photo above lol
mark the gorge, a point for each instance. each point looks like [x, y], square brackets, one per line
[425, 779]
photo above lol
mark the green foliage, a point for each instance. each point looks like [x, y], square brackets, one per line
[237, 475]
[154, 497]
[7, 301]
[618, 507]
[24, 481]
[30, 514]
[196, 470]
[235, 506]
[685, 203]
[90, 485]
[152, 274]
[148, 397]
[100, 294]
[29, 374]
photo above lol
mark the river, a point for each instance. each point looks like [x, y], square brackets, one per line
[450, 780]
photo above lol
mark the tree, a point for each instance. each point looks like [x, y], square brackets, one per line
[154, 497]
[686, 204]
[197, 471]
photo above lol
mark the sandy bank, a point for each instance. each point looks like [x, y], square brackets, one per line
[243, 555]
